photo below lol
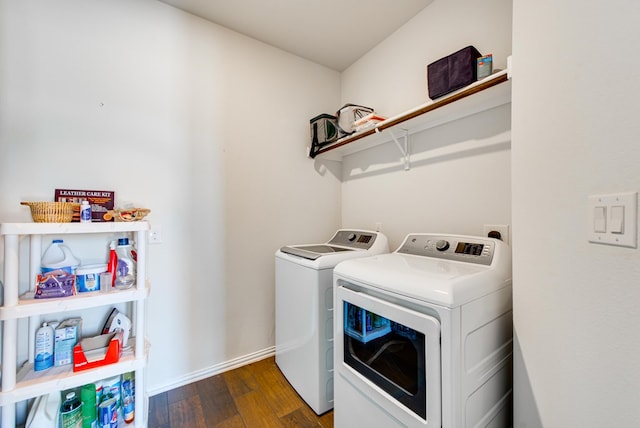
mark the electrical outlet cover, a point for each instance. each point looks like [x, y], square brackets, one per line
[502, 228]
[155, 235]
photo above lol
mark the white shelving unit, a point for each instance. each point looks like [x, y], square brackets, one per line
[490, 92]
[23, 383]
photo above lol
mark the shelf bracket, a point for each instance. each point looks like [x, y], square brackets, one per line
[403, 147]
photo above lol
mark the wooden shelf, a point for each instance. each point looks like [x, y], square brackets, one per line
[491, 92]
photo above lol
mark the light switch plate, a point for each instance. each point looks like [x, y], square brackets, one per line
[628, 237]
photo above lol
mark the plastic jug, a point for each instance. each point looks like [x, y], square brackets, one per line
[126, 268]
[59, 256]
[45, 411]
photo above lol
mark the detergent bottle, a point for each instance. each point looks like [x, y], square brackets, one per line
[71, 411]
[59, 256]
[44, 348]
[126, 269]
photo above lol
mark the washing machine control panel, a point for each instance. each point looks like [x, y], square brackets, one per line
[450, 247]
[353, 238]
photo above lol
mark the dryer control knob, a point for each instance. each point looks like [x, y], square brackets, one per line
[351, 237]
[442, 245]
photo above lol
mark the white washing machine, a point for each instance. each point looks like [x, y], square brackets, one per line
[424, 335]
[304, 310]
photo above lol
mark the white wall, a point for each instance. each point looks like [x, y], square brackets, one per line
[204, 126]
[141, 85]
[460, 173]
[575, 133]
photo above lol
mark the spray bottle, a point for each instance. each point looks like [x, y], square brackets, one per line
[113, 262]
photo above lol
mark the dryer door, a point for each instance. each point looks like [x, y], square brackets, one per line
[390, 354]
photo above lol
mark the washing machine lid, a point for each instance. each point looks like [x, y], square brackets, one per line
[312, 252]
[345, 244]
[450, 276]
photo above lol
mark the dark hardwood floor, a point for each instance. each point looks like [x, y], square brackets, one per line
[256, 395]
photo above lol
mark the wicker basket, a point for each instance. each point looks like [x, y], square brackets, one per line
[51, 212]
[131, 214]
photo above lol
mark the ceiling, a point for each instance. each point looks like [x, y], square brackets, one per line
[334, 33]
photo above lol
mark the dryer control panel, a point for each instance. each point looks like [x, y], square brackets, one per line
[467, 249]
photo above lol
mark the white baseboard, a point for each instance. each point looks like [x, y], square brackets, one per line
[214, 370]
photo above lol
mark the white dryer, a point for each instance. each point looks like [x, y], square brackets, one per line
[424, 335]
[304, 310]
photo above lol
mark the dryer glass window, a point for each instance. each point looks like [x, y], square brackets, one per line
[388, 353]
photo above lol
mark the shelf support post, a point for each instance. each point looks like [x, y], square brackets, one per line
[403, 147]
[10, 326]
[35, 255]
